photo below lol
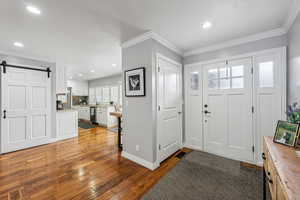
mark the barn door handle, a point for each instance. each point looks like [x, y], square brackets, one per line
[4, 114]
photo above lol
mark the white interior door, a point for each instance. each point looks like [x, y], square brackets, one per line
[26, 109]
[170, 107]
[227, 100]
[193, 107]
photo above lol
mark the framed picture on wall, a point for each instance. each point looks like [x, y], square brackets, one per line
[135, 82]
[286, 133]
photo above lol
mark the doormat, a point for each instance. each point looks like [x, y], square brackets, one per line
[85, 124]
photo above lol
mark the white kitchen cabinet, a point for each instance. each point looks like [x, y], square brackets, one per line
[99, 98]
[79, 88]
[106, 94]
[104, 118]
[114, 94]
[66, 124]
[84, 113]
[92, 96]
[61, 80]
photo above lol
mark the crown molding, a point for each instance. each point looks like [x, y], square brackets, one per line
[26, 56]
[239, 41]
[293, 13]
[154, 36]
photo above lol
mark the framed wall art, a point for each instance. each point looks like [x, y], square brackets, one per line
[135, 83]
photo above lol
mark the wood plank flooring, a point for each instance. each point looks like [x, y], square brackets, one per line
[88, 167]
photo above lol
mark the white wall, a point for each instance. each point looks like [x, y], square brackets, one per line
[106, 81]
[294, 62]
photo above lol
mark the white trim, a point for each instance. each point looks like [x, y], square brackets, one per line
[140, 161]
[160, 56]
[293, 13]
[154, 36]
[239, 41]
[283, 48]
[191, 146]
[25, 56]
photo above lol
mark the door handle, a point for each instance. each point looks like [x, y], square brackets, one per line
[206, 112]
[179, 113]
[4, 114]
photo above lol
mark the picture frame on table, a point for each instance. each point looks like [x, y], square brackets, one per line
[135, 82]
[286, 133]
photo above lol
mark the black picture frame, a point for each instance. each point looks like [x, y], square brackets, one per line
[294, 134]
[140, 75]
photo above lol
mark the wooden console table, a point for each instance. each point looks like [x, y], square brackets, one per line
[119, 116]
[281, 171]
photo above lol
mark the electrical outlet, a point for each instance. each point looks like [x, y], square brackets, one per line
[137, 147]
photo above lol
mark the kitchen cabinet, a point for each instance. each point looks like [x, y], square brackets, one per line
[114, 94]
[84, 113]
[61, 80]
[79, 88]
[66, 124]
[92, 96]
[104, 118]
[106, 94]
[99, 98]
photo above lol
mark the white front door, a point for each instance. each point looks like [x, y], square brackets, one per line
[169, 103]
[227, 105]
[26, 108]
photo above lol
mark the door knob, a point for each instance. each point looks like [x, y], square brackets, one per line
[179, 113]
[206, 112]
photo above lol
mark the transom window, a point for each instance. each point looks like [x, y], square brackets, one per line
[226, 77]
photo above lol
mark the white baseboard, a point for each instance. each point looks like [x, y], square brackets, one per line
[66, 137]
[194, 147]
[140, 161]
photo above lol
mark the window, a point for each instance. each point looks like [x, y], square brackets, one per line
[266, 74]
[194, 81]
[226, 77]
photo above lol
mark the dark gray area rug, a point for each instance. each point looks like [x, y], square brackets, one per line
[85, 124]
[202, 176]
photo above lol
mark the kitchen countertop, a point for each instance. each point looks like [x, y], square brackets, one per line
[66, 110]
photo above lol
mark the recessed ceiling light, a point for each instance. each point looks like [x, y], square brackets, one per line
[206, 25]
[18, 44]
[33, 10]
[80, 75]
[114, 65]
[92, 71]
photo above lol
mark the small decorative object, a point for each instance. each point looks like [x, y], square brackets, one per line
[286, 133]
[293, 113]
[135, 82]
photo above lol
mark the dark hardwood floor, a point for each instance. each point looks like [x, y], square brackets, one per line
[87, 167]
